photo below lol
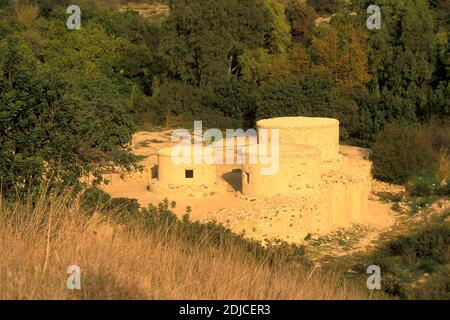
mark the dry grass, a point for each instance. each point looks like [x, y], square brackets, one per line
[443, 171]
[38, 243]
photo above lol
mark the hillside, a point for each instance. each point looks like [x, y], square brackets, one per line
[123, 261]
[91, 93]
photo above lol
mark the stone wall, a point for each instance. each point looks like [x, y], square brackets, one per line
[322, 133]
[299, 168]
[171, 173]
[341, 180]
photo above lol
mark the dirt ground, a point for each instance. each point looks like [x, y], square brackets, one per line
[257, 218]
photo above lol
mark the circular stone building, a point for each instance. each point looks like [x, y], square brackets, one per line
[186, 166]
[297, 167]
[322, 133]
[229, 150]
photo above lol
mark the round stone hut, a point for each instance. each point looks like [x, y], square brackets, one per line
[187, 166]
[295, 168]
[322, 133]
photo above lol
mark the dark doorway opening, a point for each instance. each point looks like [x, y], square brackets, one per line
[155, 172]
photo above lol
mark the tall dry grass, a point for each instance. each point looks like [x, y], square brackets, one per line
[40, 239]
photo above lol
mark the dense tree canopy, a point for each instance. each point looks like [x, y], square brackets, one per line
[203, 39]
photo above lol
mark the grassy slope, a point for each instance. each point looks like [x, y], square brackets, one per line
[39, 242]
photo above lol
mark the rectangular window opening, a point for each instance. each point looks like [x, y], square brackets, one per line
[189, 174]
[247, 177]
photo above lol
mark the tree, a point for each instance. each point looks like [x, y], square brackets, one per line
[339, 54]
[56, 124]
[236, 99]
[401, 151]
[402, 58]
[326, 7]
[202, 40]
[279, 37]
[261, 66]
[311, 97]
[302, 18]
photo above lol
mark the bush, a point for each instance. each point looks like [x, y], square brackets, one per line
[93, 198]
[124, 209]
[236, 99]
[430, 243]
[439, 131]
[434, 287]
[415, 266]
[425, 186]
[401, 151]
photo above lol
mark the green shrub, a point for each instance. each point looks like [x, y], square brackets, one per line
[431, 242]
[162, 219]
[439, 131]
[424, 186]
[124, 209]
[121, 209]
[401, 151]
[415, 266]
[419, 203]
[434, 287]
[93, 198]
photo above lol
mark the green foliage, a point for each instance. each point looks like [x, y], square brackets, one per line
[325, 7]
[93, 198]
[236, 99]
[49, 7]
[435, 287]
[225, 62]
[178, 104]
[202, 40]
[301, 17]
[418, 204]
[279, 37]
[418, 154]
[213, 234]
[431, 243]
[441, 12]
[425, 186]
[402, 59]
[401, 151]
[3, 3]
[416, 266]
[61, 113]
[315, 97]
